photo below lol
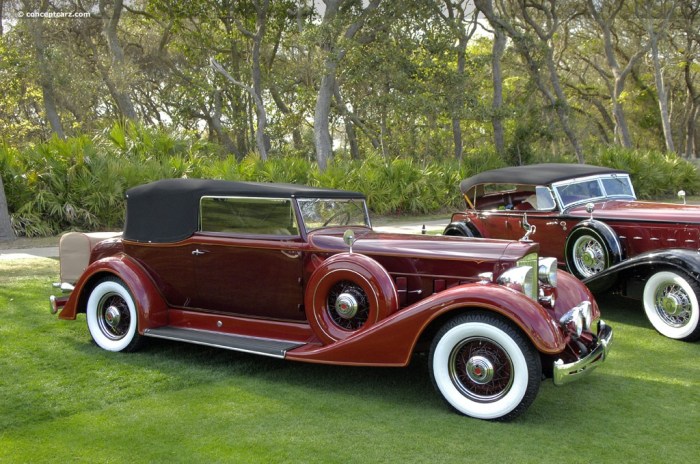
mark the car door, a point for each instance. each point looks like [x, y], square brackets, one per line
[248, 259]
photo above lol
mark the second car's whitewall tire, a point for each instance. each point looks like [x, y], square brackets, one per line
[679, 318]
[109, 300]
[525, 367]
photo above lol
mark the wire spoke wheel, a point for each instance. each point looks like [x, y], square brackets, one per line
[481, 369]
[111, 316]
[589, 256]
[671, 304]
[348, 306]
[484, 367]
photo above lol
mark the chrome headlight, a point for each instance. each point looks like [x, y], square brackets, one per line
[521, 279]
[577, 319]
[547, 271]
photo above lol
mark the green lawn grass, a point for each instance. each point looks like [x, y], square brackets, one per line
[62, 399]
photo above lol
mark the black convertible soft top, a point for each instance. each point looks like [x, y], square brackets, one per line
[535, 174]
[168, 210]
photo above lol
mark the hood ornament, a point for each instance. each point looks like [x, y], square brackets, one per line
[529, 229]
[349, 239]
[590, 207]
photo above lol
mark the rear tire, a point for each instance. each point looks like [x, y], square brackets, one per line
[112, 317]
[671, 305]
[484, 367]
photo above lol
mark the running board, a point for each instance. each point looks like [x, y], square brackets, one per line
[261, 346]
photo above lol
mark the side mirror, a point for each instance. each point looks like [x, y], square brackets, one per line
[349, 238]
[590, 207]
[681, 195]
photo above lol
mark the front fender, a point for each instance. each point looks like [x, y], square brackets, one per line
[391, 342]
[680, 259]
[612, 241]
[150, 304]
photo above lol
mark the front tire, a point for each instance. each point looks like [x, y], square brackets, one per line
[587, 253]
[671, 305]
[111, 316]
[484, 367]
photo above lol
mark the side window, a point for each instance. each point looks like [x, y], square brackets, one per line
[545, 201]
[255, 216]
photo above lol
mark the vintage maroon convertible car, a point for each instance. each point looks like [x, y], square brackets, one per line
[589, 218]
[298, 273]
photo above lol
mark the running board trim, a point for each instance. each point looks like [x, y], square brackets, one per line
[241, 343]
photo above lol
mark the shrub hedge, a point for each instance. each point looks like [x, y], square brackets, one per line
[79, 183]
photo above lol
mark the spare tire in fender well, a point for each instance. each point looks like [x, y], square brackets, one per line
[347, 293]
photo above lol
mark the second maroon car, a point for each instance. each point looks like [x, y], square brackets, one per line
[590, 219]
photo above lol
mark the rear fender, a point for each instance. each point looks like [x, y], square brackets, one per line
[150, 304]
[391, 342]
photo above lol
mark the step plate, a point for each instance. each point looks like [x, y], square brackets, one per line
[262, 346]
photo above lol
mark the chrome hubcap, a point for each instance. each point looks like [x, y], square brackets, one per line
[673, 304]
[113, 316]
[479, 370]
[589, 256]
[346, 306]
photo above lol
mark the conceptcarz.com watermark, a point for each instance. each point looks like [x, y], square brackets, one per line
[53, 14]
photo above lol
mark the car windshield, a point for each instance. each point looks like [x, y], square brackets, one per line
[579, 191]
[318, 213]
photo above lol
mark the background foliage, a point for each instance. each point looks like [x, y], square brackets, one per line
[79, 183]
[397, 99]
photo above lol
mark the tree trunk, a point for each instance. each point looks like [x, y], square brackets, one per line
[45, 75]
[284, 109]
[661, 94]
[6, 232]
[525, 44]
[499, 46]
[622, 133]
[349, 125]
[262, 141]
[458, 99]
[322, 134]
[334, 54]
[118, 71]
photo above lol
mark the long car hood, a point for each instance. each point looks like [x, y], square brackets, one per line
[424, 246]
[641, 211]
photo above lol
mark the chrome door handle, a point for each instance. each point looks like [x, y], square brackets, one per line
[199, 252]
[291, 253]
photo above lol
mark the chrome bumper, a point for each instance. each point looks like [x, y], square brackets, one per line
[57, 303]
[566, 373]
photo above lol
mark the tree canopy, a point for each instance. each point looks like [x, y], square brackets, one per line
[426, 79]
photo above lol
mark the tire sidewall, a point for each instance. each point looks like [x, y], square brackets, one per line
[677, 333]
[103, 288]
[440, 359]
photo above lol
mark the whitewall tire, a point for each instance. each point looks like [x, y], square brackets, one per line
[484, 367]
[112, 317]
[671, 305]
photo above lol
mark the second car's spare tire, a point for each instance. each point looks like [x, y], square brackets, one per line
[346, 294]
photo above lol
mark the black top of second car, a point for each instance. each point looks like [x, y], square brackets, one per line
[535, 174]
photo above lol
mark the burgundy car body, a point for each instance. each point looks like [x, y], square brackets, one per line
[593, 231]
[295, 293]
